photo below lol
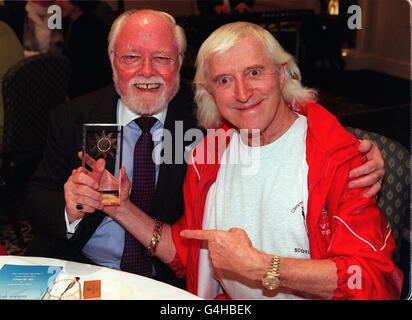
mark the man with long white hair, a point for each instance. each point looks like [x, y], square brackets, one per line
[292, 230]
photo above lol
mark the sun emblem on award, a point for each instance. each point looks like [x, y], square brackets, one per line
[105, 145]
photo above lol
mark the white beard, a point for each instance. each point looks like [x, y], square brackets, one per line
[145, 106]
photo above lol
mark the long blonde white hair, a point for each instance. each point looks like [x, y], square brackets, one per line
[225, 38]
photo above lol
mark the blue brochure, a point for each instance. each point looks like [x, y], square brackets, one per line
[22, 282]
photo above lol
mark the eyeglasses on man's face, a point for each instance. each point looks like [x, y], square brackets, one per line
[136, 61]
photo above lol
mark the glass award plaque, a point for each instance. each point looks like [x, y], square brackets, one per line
[102, 140]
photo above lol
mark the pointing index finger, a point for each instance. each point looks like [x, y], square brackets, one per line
[198, 234]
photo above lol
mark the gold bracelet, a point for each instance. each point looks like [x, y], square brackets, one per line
[155, 238]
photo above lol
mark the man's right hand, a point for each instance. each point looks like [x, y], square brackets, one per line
[82, 189]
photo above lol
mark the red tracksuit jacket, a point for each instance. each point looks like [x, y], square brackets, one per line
[342, 225]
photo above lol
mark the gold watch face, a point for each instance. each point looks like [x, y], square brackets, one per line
[270, 282]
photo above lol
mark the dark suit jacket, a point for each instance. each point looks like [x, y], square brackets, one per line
[45, 201]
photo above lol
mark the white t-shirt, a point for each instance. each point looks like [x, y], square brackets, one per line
[267, 199]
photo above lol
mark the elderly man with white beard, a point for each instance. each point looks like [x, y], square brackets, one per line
[146, 49]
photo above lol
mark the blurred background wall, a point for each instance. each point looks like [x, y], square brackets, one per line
[383, 44]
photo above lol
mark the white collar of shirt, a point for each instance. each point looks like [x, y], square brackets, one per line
[126, 115]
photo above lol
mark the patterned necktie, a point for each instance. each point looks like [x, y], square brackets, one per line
[135, 258]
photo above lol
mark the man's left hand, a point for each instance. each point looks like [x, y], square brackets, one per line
[372, 171]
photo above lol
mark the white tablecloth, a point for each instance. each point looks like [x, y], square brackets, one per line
[115, 284]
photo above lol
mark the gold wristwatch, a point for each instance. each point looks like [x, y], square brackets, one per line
[271, 280]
